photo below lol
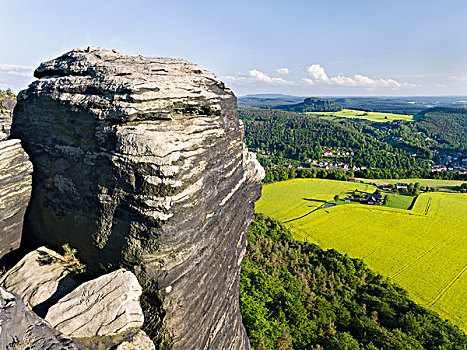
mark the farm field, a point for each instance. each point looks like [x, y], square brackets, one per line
[424, 250]
[372, 116]
[440, 185]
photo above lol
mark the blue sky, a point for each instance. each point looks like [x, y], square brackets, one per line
[347, 47]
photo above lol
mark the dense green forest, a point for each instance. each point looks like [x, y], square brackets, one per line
[402, 105]
[312, 104]
[374, 104]
[395, 149]
[268, 100]
[293, 137]
[282, 174]
[295, 295]
[446, 125]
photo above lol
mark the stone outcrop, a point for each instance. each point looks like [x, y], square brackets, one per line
[140, 341]
[20, 328]
[7, 104]
[15, 191]
[39, 279]
[140, 162]
[107, 306]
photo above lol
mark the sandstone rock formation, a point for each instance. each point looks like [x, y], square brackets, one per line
[20, 328]
[103, 307]
[39, 279]
[15, 191]
[140, 162]
[140, 341]
[7, 104]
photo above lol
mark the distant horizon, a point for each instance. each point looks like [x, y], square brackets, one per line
[324, 96]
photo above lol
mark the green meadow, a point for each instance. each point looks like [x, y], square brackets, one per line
[424, 249]
[372, 116]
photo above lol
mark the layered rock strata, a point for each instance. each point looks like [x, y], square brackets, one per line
[40, 279]
[107, 306]
[20, 328]
[15, 191]
[7, 104]
[140, 162]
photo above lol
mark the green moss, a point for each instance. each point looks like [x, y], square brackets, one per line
[152, 301]
[106, 342]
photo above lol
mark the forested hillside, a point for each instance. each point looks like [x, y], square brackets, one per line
[295, 295]
[289, 136]
[403, 105]
[434, 145]
[378, 104]
[312, 104]
[268, 100]
[447, 125]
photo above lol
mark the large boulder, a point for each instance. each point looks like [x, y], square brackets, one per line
[15, 191]
[106, 307]
[140, 162]
[40, 279]
[140, 341]
[20, 328]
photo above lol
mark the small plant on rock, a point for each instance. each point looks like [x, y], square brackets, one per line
[70, 261]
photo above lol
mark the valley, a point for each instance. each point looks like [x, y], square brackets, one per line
[423, 249]
[357, 114]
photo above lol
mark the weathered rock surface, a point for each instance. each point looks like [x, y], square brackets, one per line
[140, 341]
[7, 104]
[15, 191]
[105, 306]
[39, 279]
[20, 328]
[140, 161]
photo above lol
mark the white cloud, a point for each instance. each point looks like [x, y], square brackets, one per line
[15, 69]
[341, 80]
[15, 76]
[267, 79]
[308, 81]
[363, 80]
[319, 74]
[255, 75]
[235, 79]
[14, 66]
[459, 77]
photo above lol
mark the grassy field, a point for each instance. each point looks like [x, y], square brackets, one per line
[400, 201]
[440, 185]
[424, 250]
[372, 116]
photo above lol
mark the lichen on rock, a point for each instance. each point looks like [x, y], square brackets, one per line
[139, 162]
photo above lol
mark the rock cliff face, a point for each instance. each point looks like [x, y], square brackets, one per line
[7, 104]
[15, 190]
[139, 162]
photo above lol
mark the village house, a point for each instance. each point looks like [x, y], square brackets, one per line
[372, 198]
